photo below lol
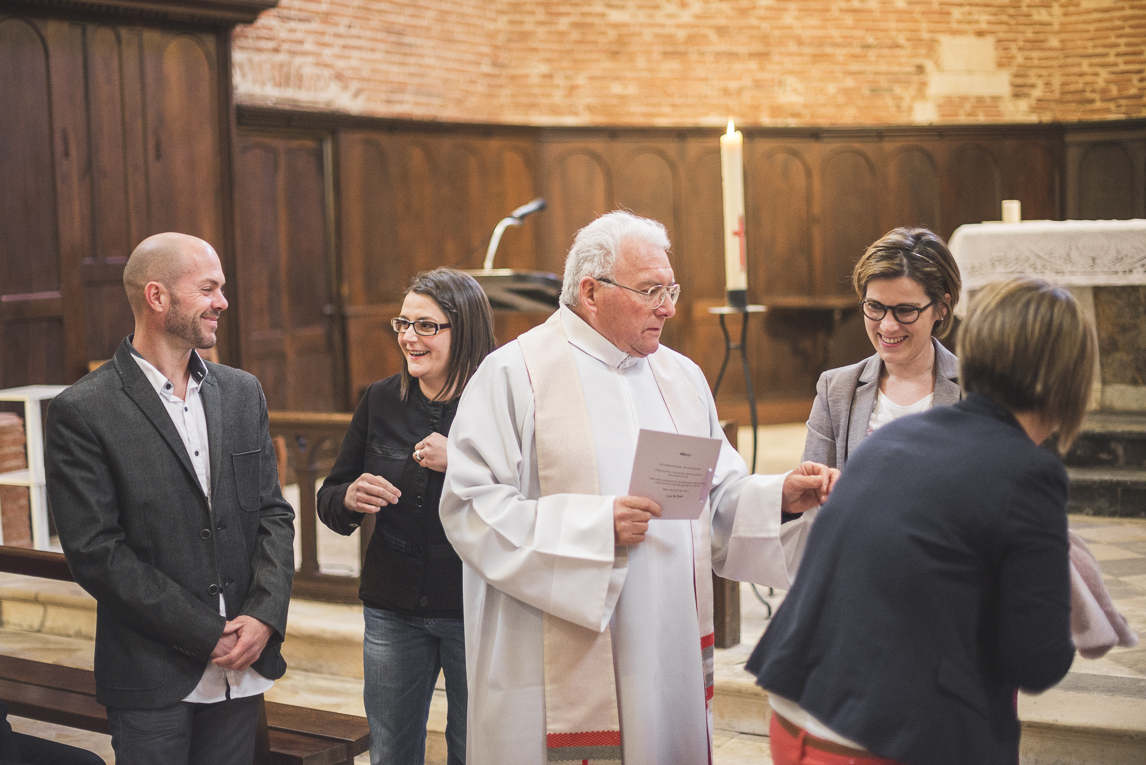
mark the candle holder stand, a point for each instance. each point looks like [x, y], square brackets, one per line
[742, 346]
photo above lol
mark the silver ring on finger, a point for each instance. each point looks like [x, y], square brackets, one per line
[417, 455]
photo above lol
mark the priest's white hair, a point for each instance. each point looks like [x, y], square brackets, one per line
[595, 248]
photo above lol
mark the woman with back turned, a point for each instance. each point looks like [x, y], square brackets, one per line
[392, 465]
[936, 580]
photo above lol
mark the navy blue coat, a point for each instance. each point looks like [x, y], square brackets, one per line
[935, 583]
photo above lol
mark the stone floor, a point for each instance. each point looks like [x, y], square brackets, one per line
[1096, 715]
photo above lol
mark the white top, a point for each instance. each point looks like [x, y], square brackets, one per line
[886, 410]
[191, 422]
[525, 555]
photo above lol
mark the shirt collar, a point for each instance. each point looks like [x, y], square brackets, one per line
[195, 364]
[592, 342]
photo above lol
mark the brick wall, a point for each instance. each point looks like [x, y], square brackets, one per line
[694, 62]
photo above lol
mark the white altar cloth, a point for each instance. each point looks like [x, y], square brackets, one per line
[1073, 253]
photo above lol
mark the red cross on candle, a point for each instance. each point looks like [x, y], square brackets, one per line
[738, 232]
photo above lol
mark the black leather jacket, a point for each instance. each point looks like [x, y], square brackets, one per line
[410, 566]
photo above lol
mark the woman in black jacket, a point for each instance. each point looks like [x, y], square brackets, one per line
[936, 583]
[392, 465]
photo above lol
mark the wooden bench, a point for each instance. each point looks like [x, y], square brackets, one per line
[288, 735]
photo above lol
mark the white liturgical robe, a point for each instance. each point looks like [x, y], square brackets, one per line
[525, 554]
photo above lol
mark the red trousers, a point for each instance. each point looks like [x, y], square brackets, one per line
[792, 749]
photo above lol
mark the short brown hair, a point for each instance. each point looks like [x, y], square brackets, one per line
[1027, 344]
[921, 255]
[467, 310]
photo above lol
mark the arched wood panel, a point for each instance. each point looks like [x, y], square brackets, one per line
[849, 218]
[702, 270]
[183, 140]
[368, 211]
[420, 239]
[110, 194]
[648, 185]
[462, 214]
[975, 176]
[782, 261]
[1035, 181]
[27, 193]
[1106, 187]
[913, 190]
[518, 247]
[30, 340]
[580, 186]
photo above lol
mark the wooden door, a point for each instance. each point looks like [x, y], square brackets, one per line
[283, 287]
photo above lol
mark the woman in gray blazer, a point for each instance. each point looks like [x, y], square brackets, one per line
[909, 285]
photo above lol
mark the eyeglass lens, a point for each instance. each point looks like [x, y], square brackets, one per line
[903, 313]
[422, 327]
[656, 296]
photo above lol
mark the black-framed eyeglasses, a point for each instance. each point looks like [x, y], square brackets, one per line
[654, 296]
[423, 327]
[904, 313]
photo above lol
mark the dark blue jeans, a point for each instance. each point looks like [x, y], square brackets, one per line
[401, 658]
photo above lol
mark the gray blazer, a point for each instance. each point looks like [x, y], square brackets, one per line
[845, 398]
[141, 537]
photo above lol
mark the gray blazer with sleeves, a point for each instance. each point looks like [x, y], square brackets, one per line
[140, 535]
[845, 398]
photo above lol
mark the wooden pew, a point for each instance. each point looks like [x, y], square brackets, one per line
[288, 735]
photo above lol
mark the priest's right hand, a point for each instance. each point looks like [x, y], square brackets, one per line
[369, 494]
[631, 518]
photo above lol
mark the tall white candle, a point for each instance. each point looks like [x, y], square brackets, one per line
[735, 247]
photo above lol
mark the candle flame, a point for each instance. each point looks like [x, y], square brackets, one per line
[731, 127]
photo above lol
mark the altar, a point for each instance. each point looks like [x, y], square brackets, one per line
[1102, 261]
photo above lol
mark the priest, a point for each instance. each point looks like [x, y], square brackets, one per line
[588, 619]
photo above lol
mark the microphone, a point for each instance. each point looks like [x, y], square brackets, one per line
[537, 205]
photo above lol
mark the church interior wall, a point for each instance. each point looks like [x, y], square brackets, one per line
[124, 125]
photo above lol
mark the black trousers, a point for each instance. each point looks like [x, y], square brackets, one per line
[186, 734]
[42, 751]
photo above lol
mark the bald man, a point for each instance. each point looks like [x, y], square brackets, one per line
[163, 483]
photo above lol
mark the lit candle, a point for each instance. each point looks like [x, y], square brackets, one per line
[735, 248]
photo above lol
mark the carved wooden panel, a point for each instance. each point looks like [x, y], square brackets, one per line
[1035, 182]
[849, 216]
[285, 296]
[782, 224]
[976, 181]
[1106, 183]
[912, 190]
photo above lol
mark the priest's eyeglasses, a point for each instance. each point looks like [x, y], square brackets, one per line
[654, 296]
[904, 313]
[423, 327]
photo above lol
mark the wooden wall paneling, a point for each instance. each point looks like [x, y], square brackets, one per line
[512, 172]
[975, 180]
[287, 306]
[464, 212]
[1036, 181]
[849, 218]
[912, 193]
[698, 262]
[648, 182]
[579, 184]
[119, 213]
[368, 217]
[1106, 183]
[259, 288]
[420, 213]
[781, 224]
[314, 353]
[183, 142]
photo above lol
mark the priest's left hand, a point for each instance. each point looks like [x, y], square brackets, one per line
[807, 486]
[253, 636]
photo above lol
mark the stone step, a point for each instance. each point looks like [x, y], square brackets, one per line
[1110, 440]
[1107, 492]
